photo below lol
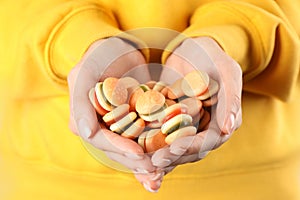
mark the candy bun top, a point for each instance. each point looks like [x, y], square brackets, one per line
[172, 111]
[149, 102]
[213, 88]
[195, 83]
[115, 92]
[129, 82]
[116, 114]
[193, 104]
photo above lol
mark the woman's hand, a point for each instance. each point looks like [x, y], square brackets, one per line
[111, 57]
[204, 54]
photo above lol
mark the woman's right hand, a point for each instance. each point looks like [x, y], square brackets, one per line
[111, 57]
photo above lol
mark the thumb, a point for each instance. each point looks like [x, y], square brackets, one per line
[77, 105]
[228, 111]
[83, 119]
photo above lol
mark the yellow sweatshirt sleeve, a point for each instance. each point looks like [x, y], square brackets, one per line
[258, 36]
[54, 36]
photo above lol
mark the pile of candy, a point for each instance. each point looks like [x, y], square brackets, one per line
[155, 114]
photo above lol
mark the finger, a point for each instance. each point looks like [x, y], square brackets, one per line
[83, 112]
[143, 170]
[142, 166]
[73, 81]
[163, 158]
[239, 118]
[108, 141]
[186, 159]
[80, 80]
[151, 181]
[72, 125]
[72, 76]
[202, 142]
[155, 175]
[229, 99]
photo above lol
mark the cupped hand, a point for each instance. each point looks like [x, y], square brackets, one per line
[204, 54]
[111, 57]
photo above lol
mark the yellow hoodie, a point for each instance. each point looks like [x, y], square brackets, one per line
[40, 41]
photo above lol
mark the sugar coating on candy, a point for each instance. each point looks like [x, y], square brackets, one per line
[95, 103]
[154, 140]
[193, 105]
[116, 114]
[115, 92]
[159, 86]
[134, 97]
[135, 129]
[102, 100]
[213, 88]
[182, 132]
[155, 114]
[195, 83]
[145, 87]
[154, 124]
[176, 122]
[120, 125]
[150, 84]
[164, 91]
[141, 140]
[175, 90]
[170, 102]
[210, 101]
[172, 111]
[129, 82]
[204, 120]
[149, 102]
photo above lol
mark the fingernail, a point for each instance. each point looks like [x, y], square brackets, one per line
[134, 156]
[177, 151]
[84, 128]
[230, 123]
[148, 188]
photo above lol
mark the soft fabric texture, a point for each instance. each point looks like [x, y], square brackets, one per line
[42, 40]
